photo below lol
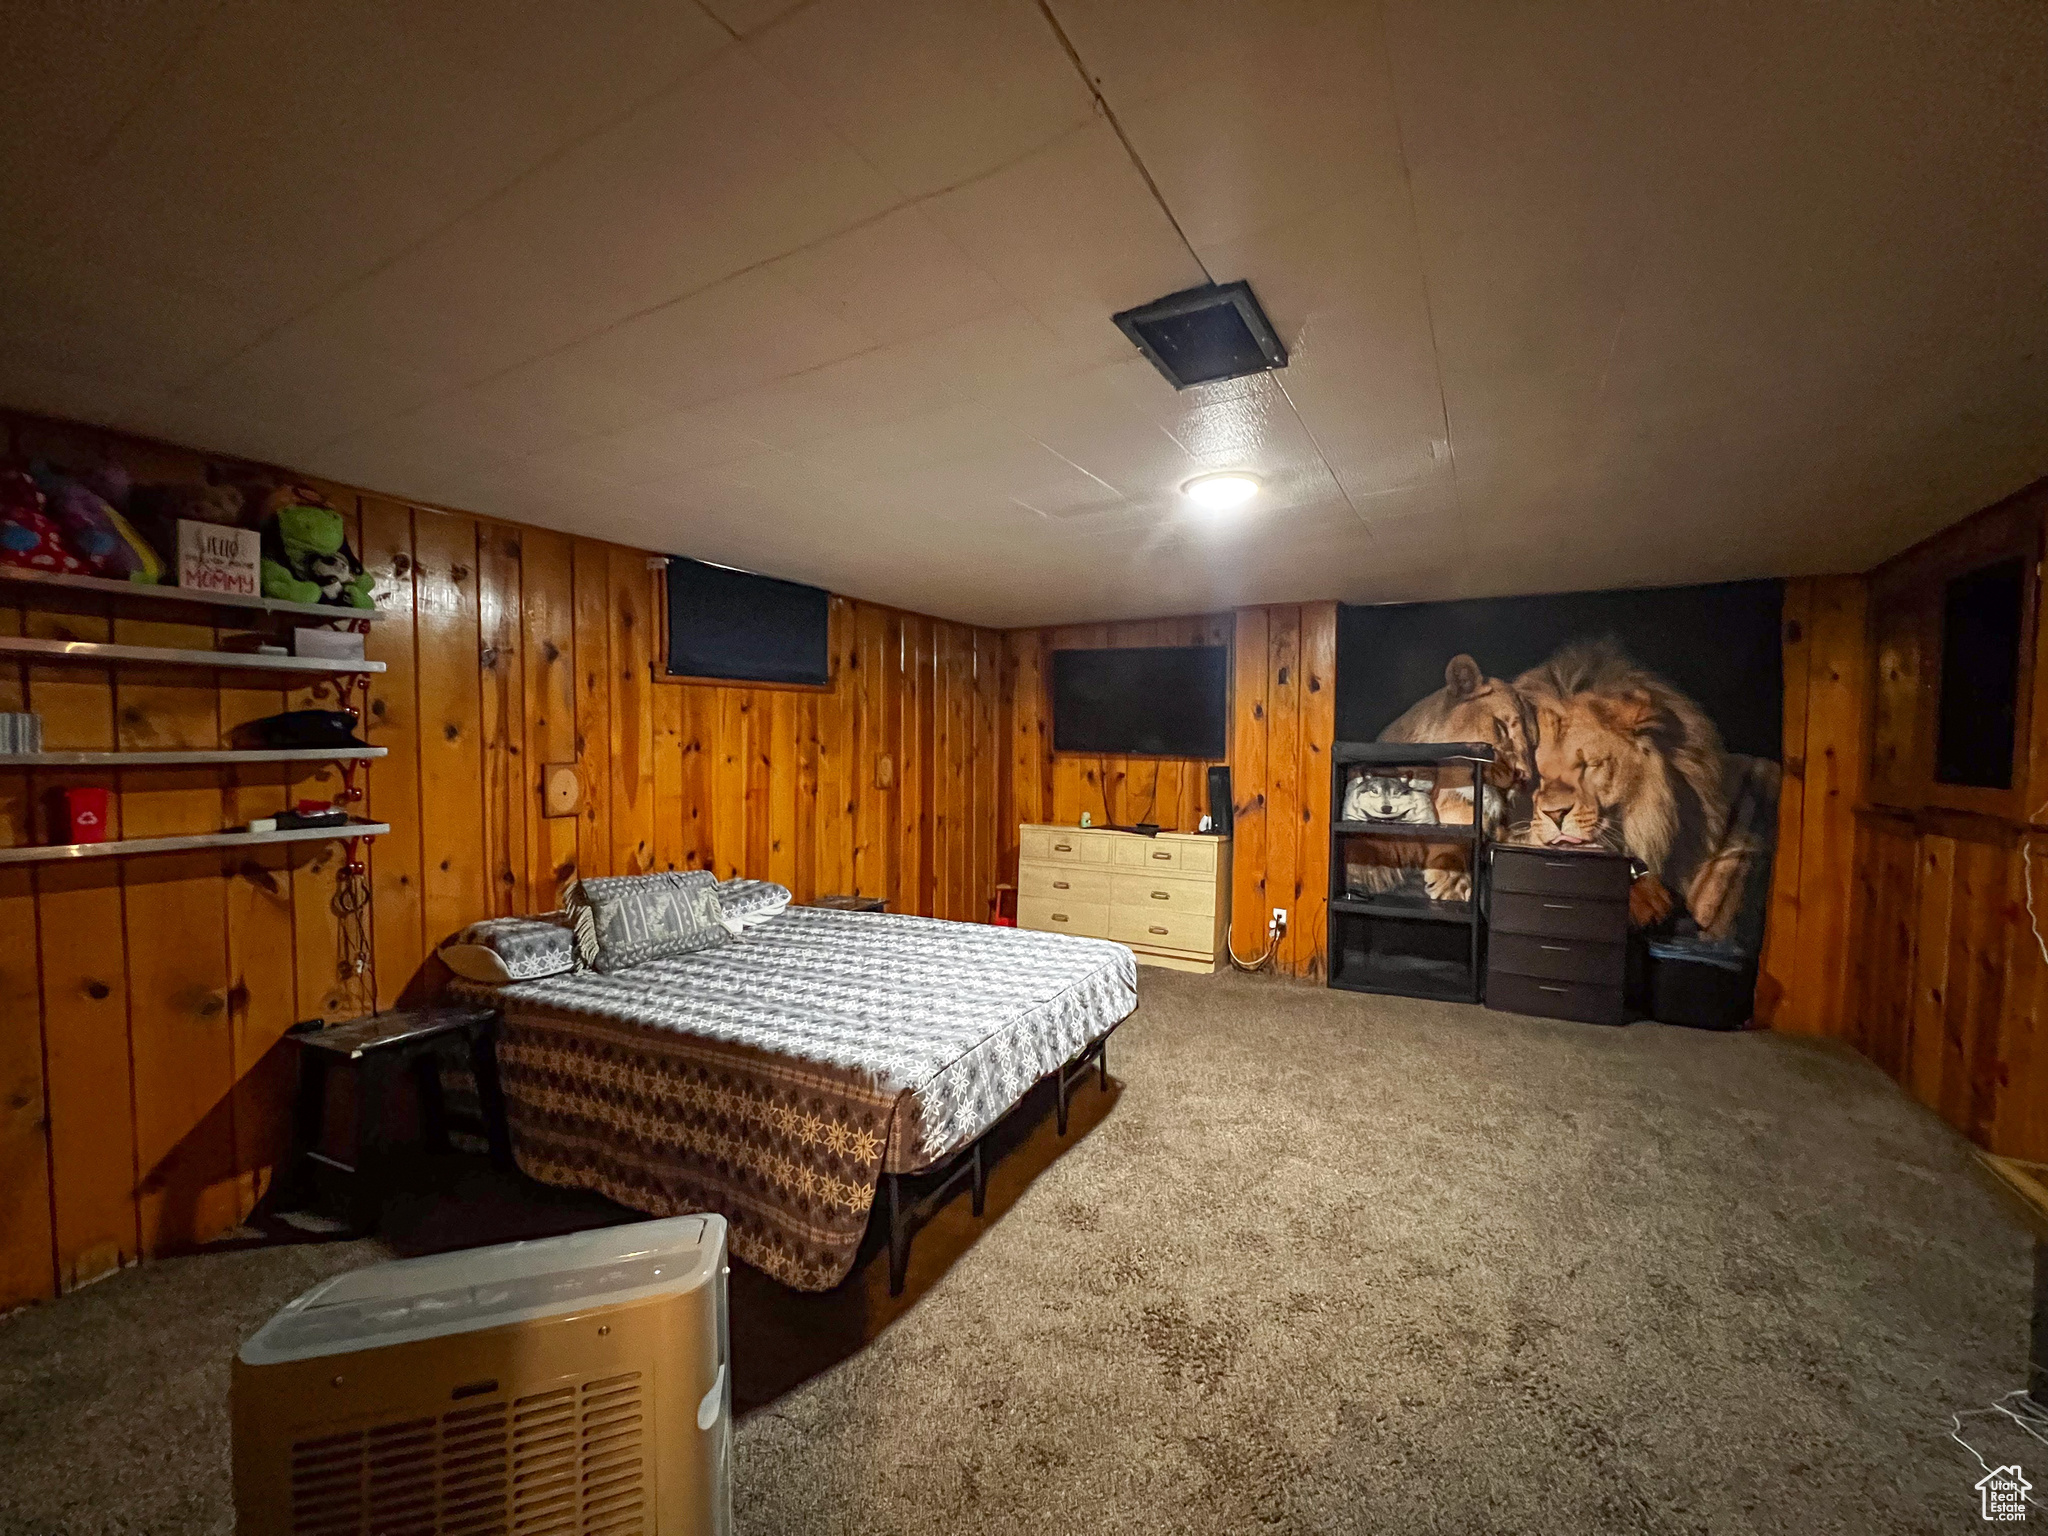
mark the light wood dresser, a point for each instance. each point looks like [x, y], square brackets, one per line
[1167, 897]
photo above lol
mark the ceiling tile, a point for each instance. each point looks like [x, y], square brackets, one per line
[1071, 232]
[292, 148]
[1248, 115]
[893, 278]
[657, 449]
[931, 92]
[723, 340]
[745, 16]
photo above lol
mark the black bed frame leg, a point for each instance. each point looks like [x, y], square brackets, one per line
[1060, 1110]
[980, 1179]
[1102, 1062]
[899, 1239]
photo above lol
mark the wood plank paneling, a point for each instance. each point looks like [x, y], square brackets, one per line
[590, 566]
[547, 622]
[503, 719]
[398, 920]
[506, 648]
[451, 825]
[28, 1255]
[1282, 722]
[631, 713]
[1248, 763]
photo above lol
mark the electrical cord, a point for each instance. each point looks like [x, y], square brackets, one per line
[1274, 933]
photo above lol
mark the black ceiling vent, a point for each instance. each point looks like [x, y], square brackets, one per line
[1200, 335]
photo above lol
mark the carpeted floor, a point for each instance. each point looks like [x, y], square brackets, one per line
[1317, 1263]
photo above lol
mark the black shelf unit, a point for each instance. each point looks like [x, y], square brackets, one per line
[1400, 943]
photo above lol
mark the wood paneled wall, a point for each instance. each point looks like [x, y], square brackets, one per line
[1904, 920]
[1282, 722]
[1804, 972]
[143, 1086]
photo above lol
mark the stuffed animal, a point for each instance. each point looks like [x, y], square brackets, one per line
[306, 559]
[28, 535]
[156, 510]
[94, 531]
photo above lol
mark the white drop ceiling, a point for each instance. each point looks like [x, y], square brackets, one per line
[1580, 294]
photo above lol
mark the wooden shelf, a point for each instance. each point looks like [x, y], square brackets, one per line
[224, 757]
[195, 842]
[100, 586]
[101, 653]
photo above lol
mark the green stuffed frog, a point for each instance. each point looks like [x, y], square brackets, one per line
[306, 559]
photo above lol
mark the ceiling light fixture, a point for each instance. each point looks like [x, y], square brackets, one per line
[1222, 491]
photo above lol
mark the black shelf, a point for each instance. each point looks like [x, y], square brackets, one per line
[1394, 904]
[1411, 753]
[1429, 832]
[1399, 943]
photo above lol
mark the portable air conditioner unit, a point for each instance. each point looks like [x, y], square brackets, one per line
[573, 1386]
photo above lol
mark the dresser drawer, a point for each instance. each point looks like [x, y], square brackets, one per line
[1563, 917]
[1194, 932]
[1062, 845]
[1161, 892]
[1043, 914]
[1064, 882]
[1190, 856]
[1579, 1000]
[1553, 959]
[1598, 877]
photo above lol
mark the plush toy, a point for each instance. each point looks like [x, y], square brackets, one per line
[306, 559]
[94, 531]
[156, 510]
[28, 536]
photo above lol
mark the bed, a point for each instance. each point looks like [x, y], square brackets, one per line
[783, 1078]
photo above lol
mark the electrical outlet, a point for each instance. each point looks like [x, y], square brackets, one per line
[1279, 924]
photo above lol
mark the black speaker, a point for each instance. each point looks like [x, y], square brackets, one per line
[1219, 800]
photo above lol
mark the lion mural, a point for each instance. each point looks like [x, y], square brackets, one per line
[1596, 750]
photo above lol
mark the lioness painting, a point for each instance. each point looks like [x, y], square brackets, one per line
[1593, 749]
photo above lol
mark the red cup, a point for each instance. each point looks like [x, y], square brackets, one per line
[85, 815]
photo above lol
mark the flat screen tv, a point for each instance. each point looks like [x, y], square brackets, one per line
[1153, 701]
[733, 624]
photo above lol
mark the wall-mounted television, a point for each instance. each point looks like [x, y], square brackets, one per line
[734, 625]
[1149, 701]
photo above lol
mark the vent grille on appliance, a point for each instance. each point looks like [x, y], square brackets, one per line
[566, 1462]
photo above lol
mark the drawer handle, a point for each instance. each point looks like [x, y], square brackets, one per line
[1563, 949]
[1059, 917]
[1155, 929]
[1541, 988]
[1062, 847]
[1558, 906]
[1160, 853]
[1557, 863]
[1060, 885]
[1162, 895]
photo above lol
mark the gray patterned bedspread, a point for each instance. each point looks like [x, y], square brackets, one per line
[775, 1078]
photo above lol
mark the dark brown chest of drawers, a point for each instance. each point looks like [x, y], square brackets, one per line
[1557, 940]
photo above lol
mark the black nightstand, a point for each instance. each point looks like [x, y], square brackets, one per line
[374, 1051]
[852, 903]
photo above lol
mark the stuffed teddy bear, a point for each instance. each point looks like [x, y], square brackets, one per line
[28, 536]
[306, 558]
[156, 510]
